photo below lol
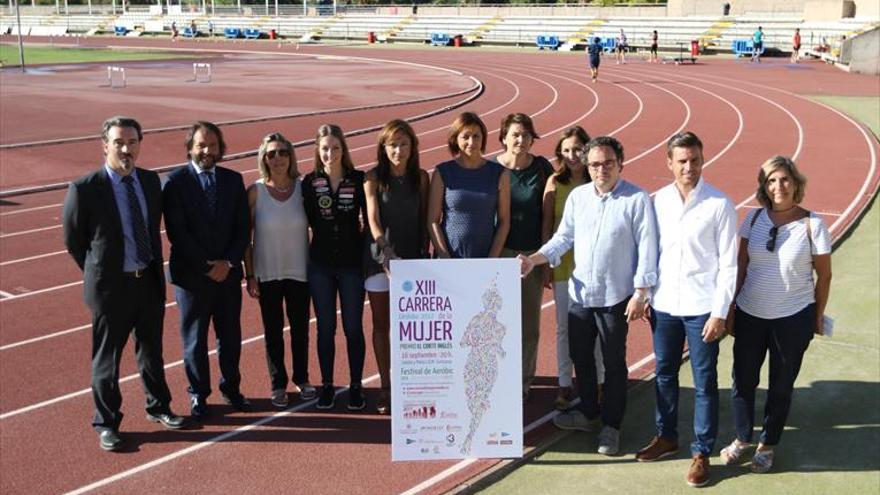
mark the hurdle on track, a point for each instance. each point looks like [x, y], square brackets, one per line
[201, 72]
[113, 74]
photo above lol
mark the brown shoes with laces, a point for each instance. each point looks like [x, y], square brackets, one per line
[657, 449]
[698, 474]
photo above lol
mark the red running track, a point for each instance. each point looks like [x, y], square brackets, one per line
[744, 113]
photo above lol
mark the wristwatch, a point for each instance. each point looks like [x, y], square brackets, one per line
[644, 299]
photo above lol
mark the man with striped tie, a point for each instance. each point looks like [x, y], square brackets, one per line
[111, 229]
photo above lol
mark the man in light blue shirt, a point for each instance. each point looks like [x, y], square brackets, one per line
[611, 225]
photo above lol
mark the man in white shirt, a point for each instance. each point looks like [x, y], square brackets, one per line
[610, 225]
[695, 286]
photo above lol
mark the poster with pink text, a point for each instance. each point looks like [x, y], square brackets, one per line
[456, 365]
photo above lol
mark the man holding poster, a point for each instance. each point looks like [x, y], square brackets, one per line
[455, 359]
[610, 223]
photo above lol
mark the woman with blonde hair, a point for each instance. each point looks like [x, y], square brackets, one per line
[779, 305]
[275, 263]
[396, 192]
[335, 205]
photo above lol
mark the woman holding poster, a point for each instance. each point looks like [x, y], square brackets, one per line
[469, 201]
[396, 191]
[334, 200]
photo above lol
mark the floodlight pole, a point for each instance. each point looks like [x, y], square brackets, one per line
[20, 42]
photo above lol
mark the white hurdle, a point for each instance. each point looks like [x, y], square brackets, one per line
[201, 69]
[114, 73]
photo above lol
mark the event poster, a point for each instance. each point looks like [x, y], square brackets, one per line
[456, 365]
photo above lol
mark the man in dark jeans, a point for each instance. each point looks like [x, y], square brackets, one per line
[610, 224]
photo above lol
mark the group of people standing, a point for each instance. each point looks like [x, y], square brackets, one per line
[617, 256]
[674, 261]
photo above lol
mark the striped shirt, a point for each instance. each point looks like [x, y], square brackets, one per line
[614, 236]
[780, 283]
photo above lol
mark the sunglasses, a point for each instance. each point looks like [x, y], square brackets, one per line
[271, 154]
[771, 242]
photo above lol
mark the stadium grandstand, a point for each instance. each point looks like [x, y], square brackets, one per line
[716, 26]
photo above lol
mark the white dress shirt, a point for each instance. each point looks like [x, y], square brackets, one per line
[614, 236]
[697, 268]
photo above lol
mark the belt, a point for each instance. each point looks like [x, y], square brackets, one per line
[137, 273]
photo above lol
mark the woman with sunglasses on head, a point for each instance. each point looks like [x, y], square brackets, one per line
[778, 306]
[396, 192]
[334, 201]
[275, 264]
[528, 176]
[571, 172]
[469, 200]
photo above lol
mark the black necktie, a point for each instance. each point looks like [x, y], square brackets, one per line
[211, 192]
[141, 237]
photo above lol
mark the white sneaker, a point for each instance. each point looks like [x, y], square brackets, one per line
[575, 420]
[279, 398]
[609, 441]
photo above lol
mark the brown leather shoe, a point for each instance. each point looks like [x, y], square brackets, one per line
[657, 449]
[698, 474]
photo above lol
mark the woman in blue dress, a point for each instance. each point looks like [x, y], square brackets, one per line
[469, 201]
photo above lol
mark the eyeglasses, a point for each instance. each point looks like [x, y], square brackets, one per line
[279, 152]
[607, 165]
[771, 242]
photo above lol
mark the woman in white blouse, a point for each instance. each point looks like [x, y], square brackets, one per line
[275, 264]
[779, 305]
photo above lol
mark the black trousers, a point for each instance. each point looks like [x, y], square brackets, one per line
[609, 325]
[276, 296]
[143, 311]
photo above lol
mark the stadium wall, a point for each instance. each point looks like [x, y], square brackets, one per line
[810, 10]
[524, 10]
[862, 53]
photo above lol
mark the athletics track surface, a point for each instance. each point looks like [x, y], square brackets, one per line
[744, 113]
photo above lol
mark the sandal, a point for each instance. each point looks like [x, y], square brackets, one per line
[733, 452]
[383, 405]
[762, 461]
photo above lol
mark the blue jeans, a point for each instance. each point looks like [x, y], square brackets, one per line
[786, 340]
[669, 334]
[324, 283]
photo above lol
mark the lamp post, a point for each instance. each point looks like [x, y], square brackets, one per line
[20, 41]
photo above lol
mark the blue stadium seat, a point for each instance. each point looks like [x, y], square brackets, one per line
[232, 32]
[609, 44]
[188, 32]
[547, 41]
[252, 33]
[120, 30]
[440, 39]
[742, 47]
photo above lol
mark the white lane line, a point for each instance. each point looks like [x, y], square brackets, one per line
[28, 210]
[32, 231]
[14, 297]
[446, 473]
[31, 258]
[5, 294]
[204, 444]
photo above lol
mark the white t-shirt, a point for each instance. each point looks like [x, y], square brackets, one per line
[281, 236]
[780, 283]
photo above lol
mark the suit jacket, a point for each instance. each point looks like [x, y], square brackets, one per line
[197, 235]
[93, 235]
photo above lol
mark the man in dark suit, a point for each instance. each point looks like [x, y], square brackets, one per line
[207, 217]
[111, 228]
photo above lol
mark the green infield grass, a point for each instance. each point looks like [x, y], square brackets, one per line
[35, 55]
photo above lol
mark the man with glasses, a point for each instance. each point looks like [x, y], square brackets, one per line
[610, 223]
[111, 229]
[697, 278]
